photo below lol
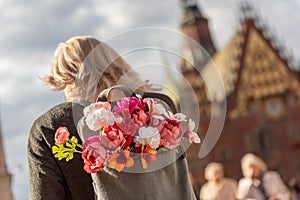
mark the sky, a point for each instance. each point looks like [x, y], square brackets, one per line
[31, 31]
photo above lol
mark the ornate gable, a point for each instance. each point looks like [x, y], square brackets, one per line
[263, 73]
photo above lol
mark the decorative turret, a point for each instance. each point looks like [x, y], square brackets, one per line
[195, 25]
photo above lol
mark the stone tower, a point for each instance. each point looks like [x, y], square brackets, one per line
[195, 25]
[5, 176]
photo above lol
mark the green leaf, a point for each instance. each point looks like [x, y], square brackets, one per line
[176, 150]
[163, 149]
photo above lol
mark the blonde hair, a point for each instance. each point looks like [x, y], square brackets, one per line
[211, 169]
[251, 159]
[89, 66]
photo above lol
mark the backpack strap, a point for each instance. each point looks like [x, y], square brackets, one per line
[104, 94]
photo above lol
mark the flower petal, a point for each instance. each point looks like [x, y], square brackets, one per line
[130, 162]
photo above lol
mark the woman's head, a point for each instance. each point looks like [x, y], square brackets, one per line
[252, 165]
[83, 66]
[68, 59]
[214, 172]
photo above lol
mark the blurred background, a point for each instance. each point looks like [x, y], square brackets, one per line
[255, 46]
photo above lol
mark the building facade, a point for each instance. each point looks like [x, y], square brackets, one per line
[262, 96]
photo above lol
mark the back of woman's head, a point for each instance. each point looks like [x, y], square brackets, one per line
[88, 66]
[68, 59]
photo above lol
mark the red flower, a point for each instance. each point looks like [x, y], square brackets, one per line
[128, 128]
[170, 133]
[62, 135]
[94, 155]
[112, 138]
[128, 141]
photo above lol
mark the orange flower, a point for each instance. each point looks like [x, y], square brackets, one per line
[120, 160]
[148, 154]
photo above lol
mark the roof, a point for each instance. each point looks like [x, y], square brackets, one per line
[252, 68]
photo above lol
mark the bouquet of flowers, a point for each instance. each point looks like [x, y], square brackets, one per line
[133, 126]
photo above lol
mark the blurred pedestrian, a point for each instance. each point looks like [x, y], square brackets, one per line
[217, 186]
[259, 183]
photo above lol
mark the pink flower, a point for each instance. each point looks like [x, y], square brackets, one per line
[98, 115]
[128, 128]
[170, 134]
[62, 135]
[128, 103]
[140, 117]
[94, 154]
[156, 112]
[190, 135]
[112, 138]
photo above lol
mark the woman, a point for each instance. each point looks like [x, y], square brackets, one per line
[217, 187]
[83, 67]
[258, 182]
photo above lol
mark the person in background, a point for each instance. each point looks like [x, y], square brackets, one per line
[217, 186]
[258, 182]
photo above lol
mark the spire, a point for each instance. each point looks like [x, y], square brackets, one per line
[191, 12]
[195, 25]
[247, 11]
[188, 3]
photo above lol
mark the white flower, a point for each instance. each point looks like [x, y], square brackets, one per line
[179, 117]
[155, 108]
[160, 109]
[98, 115]
[190, 135]
[148, 135]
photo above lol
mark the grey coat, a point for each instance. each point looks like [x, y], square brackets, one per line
[53, 179]
[50, 178]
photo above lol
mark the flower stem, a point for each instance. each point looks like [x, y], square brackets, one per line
[79, 145]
